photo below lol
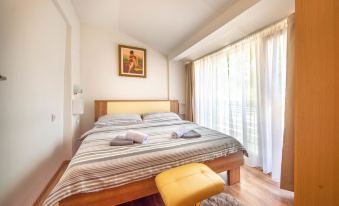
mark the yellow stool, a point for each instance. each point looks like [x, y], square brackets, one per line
[189, 184]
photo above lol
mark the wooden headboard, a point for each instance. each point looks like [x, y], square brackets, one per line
[103, 107]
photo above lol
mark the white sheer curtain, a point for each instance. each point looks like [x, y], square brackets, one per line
[240, 91]
[271, 101]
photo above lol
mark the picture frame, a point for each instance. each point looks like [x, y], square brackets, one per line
[132, 61]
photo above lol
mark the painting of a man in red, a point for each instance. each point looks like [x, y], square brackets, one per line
[132, 61]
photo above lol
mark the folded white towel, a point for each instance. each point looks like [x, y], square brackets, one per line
[137, 137]
[179, 132]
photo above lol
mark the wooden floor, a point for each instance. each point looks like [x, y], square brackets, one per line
[51, 184]
[255, 189]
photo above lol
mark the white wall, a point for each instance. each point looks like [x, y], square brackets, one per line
[32, 56]
[99, 72]
[39, 54]
[72, 75]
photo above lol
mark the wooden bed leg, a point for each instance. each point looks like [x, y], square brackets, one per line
[233, 176]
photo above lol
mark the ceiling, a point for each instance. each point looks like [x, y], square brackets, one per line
[260, 15]
[183, 29]
[161, 24]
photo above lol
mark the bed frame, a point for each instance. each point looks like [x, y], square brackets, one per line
[143, 188]
[103, 107]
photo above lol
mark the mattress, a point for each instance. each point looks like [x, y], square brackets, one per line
[98, 166]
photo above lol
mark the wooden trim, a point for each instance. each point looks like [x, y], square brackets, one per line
[100, 108]
[136, 190]
[101, 105]
[40, 200]
[174, 104]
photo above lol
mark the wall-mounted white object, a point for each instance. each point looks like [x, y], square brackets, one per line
[77, 89]
[181, 108]
[77, 106]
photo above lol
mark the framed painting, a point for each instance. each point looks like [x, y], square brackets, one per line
[132, 61]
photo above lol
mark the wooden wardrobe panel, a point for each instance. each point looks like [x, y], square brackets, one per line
[317, 103]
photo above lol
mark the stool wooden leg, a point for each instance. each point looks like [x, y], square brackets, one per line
[233, 176]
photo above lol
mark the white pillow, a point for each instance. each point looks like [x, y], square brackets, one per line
[118, 120]
[160, 117]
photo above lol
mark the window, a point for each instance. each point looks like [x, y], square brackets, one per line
[240, 90]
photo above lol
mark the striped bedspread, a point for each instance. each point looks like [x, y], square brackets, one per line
[97, 165]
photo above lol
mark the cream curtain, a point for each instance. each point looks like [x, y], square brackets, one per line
[189, 104]
[240, 90]
[287, 167]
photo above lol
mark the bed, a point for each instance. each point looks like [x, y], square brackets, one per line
[100, 174]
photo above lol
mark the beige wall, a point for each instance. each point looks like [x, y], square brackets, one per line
[35, 55]
[99, 72]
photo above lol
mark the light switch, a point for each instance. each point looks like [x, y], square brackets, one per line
[53, 117]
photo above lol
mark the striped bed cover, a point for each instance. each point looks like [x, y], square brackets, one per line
[97, 165]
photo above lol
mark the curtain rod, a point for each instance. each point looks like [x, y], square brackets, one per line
[239, 40]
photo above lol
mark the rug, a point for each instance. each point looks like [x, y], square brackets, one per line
[221, 199]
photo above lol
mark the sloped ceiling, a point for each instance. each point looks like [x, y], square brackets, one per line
[183, 29]
[260, 15]
[164, 24]
[161, 24]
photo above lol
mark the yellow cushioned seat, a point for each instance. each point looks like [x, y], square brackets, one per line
[188, 184]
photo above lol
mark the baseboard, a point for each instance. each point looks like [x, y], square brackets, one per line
[53, 181]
